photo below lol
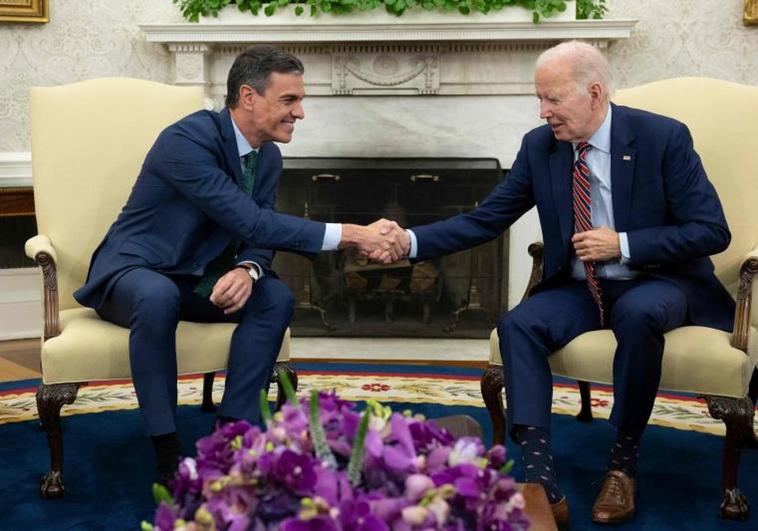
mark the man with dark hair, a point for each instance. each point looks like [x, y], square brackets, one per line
[195, 242]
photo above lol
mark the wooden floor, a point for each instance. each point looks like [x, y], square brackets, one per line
[19, 359]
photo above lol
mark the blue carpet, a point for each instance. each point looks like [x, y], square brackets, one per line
[109, 467]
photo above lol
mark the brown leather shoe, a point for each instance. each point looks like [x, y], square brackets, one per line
[560, 511]
[615, 503]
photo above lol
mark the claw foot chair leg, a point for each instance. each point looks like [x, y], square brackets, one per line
[752, 441]
[737, 414]
[50, 400]
[289, 369]
[208, 405]
[492, 387]
[585, 413]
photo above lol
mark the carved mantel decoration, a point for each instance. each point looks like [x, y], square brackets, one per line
[373, 54]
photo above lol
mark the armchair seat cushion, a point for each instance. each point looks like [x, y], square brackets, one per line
[696, 359]
[89, 348]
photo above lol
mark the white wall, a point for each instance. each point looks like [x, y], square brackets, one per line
[87, 39]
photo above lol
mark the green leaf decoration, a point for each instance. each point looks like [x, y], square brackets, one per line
[289, 390]
[192, 10]
[318, 436]
[161, 494]
[355, 466]
[507, 467]
[146, 526]
[263, 405]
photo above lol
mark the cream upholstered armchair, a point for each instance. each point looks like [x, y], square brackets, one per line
[89, 140]
[716, 365]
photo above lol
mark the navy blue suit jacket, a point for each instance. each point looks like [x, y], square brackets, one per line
[186, 207]
[662, 199]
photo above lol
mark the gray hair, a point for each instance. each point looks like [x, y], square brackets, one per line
[254, 66]
[588, 64]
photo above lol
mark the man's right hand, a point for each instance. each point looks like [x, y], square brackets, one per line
[383, 241]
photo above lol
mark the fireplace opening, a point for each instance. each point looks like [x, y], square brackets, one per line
[342, 294]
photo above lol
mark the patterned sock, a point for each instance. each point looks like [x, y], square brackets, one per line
[168, 452]
[625, 452]
[538, 461]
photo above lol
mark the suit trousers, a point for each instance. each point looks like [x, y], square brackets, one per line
[638, 311]
[151, 304]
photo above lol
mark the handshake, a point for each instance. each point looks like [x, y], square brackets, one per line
[383, 241]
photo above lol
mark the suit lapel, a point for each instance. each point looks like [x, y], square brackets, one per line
[560, 181]
[623, 160]
[231, 153]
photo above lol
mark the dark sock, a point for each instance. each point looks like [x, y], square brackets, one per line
[168, 452]
[538, 460]
[625, 452]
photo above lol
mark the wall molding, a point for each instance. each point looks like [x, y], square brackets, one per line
[15, 169]
[20, 303]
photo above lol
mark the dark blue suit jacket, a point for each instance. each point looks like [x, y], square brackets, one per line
[662, 199]
[186, 207]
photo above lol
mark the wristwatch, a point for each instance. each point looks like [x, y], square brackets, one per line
[251, 270]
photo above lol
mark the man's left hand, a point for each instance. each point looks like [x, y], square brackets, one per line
[232, 290]
[597, 245]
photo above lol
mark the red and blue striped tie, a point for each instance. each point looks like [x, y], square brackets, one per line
[583, 217]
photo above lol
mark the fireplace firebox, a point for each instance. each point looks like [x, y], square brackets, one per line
[341, 294]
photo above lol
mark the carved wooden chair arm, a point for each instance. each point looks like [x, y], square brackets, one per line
[40, 249]
[536, 250]
[742, 315]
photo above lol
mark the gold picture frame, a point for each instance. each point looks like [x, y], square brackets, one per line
[25, 11]
[750, 15]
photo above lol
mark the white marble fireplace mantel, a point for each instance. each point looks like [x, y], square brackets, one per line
[374, 53]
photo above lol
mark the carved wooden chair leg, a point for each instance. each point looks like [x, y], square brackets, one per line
[585, 414]
[737, 414]
[492, 387]
[289, 369]
[208, 405]
[752, 441]
[50, 400]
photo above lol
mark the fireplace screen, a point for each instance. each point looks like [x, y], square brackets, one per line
[342, 294]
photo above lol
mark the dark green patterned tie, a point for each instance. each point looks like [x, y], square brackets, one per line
[224, 262]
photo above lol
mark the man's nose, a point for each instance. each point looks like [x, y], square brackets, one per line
[545, 110]
[298, 111]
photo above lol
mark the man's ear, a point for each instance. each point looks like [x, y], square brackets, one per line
[597, 93]
[248, 96]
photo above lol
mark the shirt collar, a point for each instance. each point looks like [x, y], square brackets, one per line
[601, 140]
[243, 146]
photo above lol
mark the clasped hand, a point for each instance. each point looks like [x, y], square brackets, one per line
[383, 241]
[600, 244]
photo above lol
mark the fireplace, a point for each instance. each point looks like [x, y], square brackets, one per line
[341, 294]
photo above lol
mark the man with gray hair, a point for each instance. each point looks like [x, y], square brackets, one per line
[196, 239]
[628, 219]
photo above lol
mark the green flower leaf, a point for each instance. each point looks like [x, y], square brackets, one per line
[289, 390]
[162, 495]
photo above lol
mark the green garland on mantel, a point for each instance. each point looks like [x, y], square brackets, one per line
[194, 9]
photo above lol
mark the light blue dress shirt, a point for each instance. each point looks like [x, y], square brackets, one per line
[599, 162]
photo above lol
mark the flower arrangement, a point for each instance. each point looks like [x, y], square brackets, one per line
[322, 465]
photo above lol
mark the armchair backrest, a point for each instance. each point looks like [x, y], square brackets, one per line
[722, 117]
[89, 140]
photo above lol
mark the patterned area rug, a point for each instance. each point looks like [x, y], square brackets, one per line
[681, 412]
